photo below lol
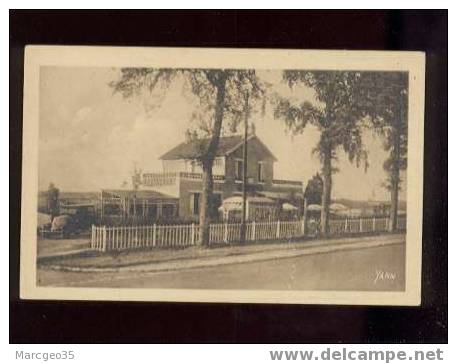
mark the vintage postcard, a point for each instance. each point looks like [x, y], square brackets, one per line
[222, 175]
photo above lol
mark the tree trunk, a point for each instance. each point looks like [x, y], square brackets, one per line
[395, 171]
[394, 201]
[207, 163]
[326, 192]
[205, 210]
[394, 182]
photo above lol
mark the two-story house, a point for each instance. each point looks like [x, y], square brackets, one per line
[181, 177]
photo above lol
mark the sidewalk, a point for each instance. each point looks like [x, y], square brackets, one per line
[56, 247]
[195, 257]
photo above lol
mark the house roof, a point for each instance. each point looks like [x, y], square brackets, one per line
[195, 148]
[139, 194]
[77, 205]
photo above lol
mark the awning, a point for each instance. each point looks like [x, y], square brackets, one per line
[236, 202]
[289, 207]
[337, 206]
[276, 195]
[314, 207]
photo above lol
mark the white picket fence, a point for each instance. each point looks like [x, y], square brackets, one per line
[124, 238]
[131, 237]
[174, 236]
[361, 225]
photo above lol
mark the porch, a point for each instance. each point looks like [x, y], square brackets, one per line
[137, 205]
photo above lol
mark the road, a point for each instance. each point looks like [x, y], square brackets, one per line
[368, 269]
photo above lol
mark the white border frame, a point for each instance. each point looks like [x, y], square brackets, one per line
[36, 56]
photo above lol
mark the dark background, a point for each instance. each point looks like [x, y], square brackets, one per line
[110, 322]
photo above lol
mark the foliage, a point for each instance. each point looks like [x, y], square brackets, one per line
[202, 84]
[386, 96]
[314, 189]
[336, 114]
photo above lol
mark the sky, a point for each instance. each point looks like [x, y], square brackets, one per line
[90, 138]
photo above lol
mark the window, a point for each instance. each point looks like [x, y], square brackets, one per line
[168, 211]
[195, 203]
[193, 164]
[152, 211]
[261, 172]
[238, 169]
[219, 166]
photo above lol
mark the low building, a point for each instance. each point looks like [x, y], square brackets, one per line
[140, 205]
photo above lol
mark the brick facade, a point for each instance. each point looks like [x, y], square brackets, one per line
[183, 185]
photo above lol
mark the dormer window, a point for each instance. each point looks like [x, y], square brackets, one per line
[194, 166]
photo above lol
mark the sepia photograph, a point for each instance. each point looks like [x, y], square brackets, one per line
[167, 174]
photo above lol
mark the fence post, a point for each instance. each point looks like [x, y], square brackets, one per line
[104, 239]
[225, 232]
[361, 225]
[154, 235]
[374, 224]
[305, 217]
[278, 229]
[346, 225]
[192, 238]
[136, 236]
[253, 230]
[92, 238]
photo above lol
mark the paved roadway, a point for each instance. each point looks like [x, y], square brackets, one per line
[370, 269]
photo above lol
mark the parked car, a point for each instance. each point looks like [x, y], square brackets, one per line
[61, 226]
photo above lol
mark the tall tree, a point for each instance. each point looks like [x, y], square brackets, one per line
[386, 97]
[336, 114]
[313, 190]
[136, 178]
[219, 94]
[53, 201]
